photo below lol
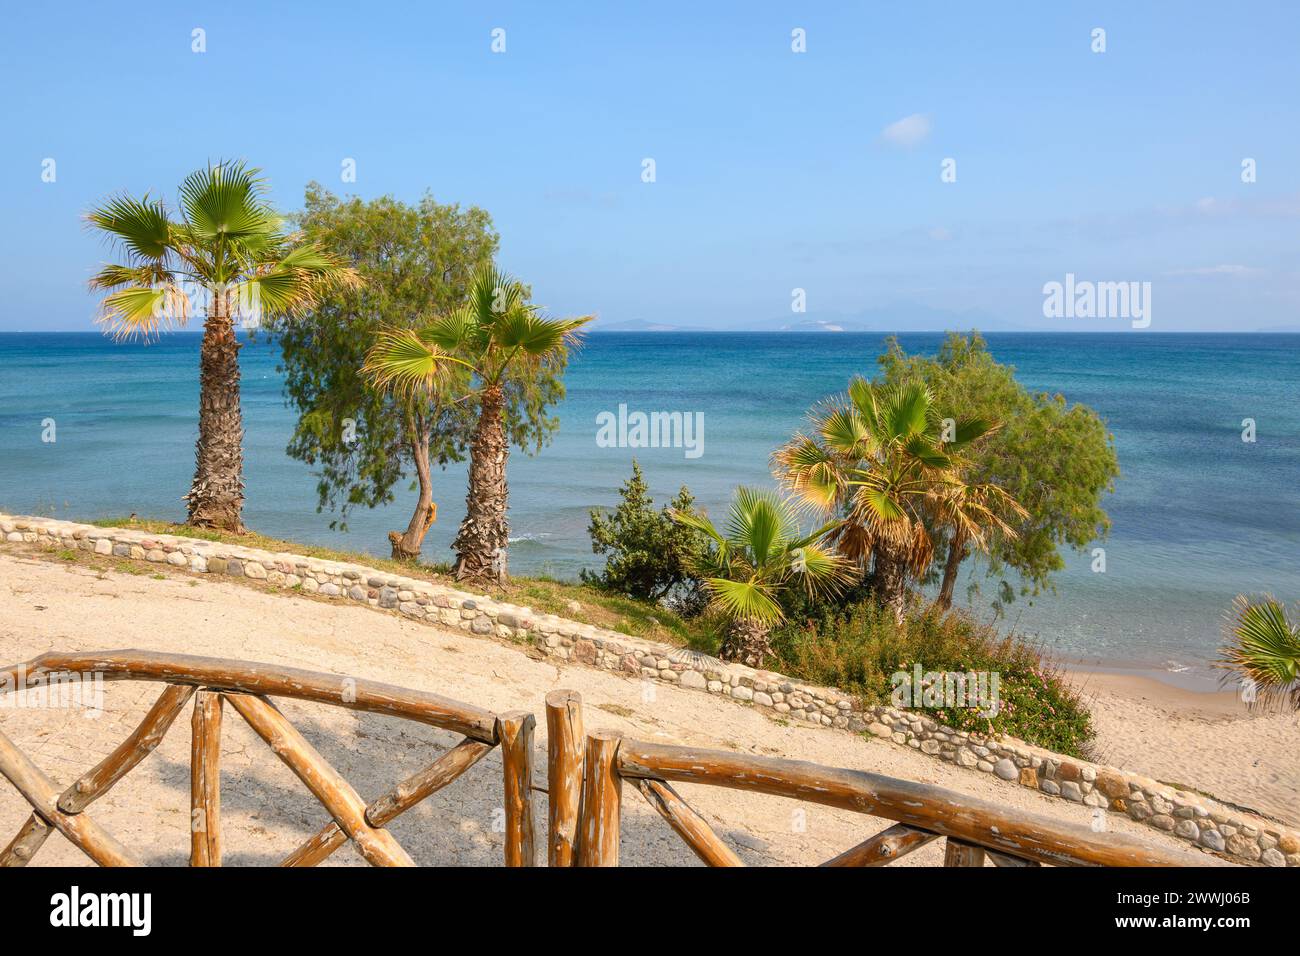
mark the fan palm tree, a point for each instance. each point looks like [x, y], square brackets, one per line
[494, 338]
[1262, 650]
[879, 457]
[225, 245]
[759, 556]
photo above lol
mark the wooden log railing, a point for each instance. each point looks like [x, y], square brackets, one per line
[585, 774]
[975, 830]
[247, 688]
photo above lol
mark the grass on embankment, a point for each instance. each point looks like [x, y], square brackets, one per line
[542, 594]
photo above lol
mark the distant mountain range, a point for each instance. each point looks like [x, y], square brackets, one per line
[900, 318]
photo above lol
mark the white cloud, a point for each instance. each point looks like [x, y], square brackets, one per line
[908, 132]
[940, 234]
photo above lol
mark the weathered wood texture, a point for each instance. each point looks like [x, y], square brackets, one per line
[690, 826]
[30, 838]
[375, 844]
[885, 847]
[1002, 859]
[515, 731]
[265, 679]
[922, 806]
[81, 831]
[205, 780]
[564, 746]
[602, 797]
[956, 853]
[128, 754]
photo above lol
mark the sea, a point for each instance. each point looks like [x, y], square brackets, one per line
[1200, 514]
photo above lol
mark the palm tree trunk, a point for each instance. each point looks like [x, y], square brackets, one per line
[482, 540]
[746, 642]
[406, 546]
[216, 496]
[956, 554]
[889, 581]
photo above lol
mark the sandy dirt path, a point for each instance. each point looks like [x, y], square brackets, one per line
[267, 812]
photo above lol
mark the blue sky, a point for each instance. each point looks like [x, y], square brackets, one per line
[775, 170]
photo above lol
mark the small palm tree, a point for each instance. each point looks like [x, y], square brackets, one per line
[880, 457]
[226, 245]
[1262, 651]
[761, 555]
[498, 339]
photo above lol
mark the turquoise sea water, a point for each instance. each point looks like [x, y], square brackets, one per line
[1199, 515]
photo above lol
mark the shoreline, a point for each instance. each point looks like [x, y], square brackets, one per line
[1148, 687]
[1201, 739]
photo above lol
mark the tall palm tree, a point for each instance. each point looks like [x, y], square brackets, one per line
[226, 246]
[1262, 650]
[494, 336]
[878, 456]
[759, 556]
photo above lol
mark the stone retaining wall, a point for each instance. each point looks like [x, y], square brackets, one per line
[1199, 820]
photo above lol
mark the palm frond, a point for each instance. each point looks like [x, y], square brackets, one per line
[143, 310]
[967, 430]
[844, 431]
[744, 600]
[493, 294]
[809, 472]
[401, 362]
[141, 226]
[820, 570]
[225, 200]
[905, 411]
[1263, 646]
[537, 337]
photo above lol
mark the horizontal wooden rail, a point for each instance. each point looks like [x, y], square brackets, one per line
[967, 820]
[263, 680]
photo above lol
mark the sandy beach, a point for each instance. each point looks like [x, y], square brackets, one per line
[1207, 741]
[47, 605]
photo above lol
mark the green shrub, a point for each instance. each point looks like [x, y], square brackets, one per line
[861, 649]
[649, 554]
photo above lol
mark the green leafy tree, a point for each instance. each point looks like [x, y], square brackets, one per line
[511, 352]
[649, 554]
[1056, 459]
[758, 557]
[1262, 650]
[225, 246]
[418, 260]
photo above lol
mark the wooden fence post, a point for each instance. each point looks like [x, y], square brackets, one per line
[602, 796]
[564, 743]
[515, 731]
[205, 780]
